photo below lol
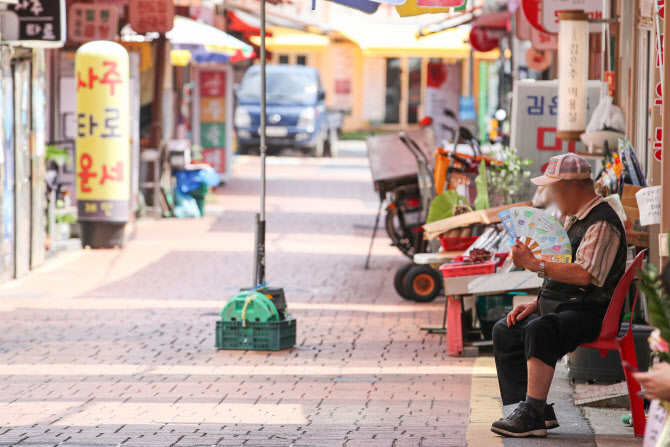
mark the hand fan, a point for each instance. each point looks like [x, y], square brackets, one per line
[539, 231]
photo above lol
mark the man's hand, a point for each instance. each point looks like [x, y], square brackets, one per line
[520, 312]
[523, 257]
[656, 383]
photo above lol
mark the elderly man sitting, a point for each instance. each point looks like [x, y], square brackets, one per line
[572, 302]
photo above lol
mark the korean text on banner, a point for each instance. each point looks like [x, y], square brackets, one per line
[103, 139]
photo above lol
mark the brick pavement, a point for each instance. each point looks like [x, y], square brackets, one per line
[116, 347]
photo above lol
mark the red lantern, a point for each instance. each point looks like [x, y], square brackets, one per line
[482, 39]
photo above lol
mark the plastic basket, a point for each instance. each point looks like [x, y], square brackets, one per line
[256, 336]
[457, 243]
[455, 269]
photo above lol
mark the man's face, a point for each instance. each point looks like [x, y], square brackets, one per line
[564, 195]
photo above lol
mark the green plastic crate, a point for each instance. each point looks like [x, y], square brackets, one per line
[256, 336]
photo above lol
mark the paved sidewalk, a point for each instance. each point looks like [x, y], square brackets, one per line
[115, 347]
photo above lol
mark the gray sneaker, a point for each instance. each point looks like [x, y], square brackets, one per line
[524, 422]
[550, 419]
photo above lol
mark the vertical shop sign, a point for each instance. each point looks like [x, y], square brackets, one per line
[534, 118]
[41, 21]
[343, 75]
[102, 151]
[151, 16]
[657, 104]
[87, 22]
[213, 118]
[443, 90]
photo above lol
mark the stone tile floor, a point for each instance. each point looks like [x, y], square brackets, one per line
[116, 347]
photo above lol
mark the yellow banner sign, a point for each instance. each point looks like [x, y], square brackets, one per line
[103, 138]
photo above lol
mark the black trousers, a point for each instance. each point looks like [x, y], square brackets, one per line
[547, 338]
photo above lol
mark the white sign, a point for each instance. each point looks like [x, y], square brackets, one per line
[550, 10]
[534, 119]
[649, 203]
[443, 92]
[655, 430]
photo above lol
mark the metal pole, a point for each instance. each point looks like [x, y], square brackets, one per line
[260, 219]
[263, 148]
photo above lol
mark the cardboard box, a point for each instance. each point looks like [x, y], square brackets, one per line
[636, 234]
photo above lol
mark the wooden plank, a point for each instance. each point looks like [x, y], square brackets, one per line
[486, 217]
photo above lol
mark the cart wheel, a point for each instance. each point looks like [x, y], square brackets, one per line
[422, 283]
[399, 279]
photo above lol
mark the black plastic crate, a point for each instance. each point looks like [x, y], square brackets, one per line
[256, 336]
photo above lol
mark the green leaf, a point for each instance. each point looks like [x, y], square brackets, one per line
[443, 205]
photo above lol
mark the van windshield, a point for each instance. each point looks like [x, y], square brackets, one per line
[281, 87]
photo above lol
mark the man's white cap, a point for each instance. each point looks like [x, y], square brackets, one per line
[564, 167]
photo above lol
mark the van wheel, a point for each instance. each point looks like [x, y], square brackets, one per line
[319, 149]
[330, 149]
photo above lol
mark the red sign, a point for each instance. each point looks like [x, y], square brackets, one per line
[86, 22]
[657, 137]
[543, 41]
[533, 11]
[212, 83]
[482, 39]
[522, 27]
[215, 157]
[151, 16]
[538, 60]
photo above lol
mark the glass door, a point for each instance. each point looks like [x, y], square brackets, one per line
[393, 90]
[22, 165]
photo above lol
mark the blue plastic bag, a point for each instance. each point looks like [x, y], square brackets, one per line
[190, 180]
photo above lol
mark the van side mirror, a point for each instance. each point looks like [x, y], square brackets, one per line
[322, 95]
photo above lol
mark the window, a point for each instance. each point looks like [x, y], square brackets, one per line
[301, 60]
[393, 90]
[283, 59]
[414, 93]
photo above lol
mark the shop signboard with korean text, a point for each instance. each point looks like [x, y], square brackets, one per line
[551, 8]
[151, 16]
[41, 22]
[534, 120]
[102, 157]
[212, 117]
[88, 22]
[657, 100]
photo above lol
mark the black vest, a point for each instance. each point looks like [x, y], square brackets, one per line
[556, 295]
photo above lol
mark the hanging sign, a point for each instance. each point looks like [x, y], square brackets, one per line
[103, 136]
[534, 118]
[213, 117]
[482, 39]
[543, 41]
[538, 60]
[151, 16]
[88, 22]
[649, 203]
[551, 9]
[343, 76]
[657, 104]
[41, 22]
[522, 26]
[438, 3]
[532, 9]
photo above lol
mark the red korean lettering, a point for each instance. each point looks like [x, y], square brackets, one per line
[85, 163]
[92, 77]
[116, 173]
[111, 76]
